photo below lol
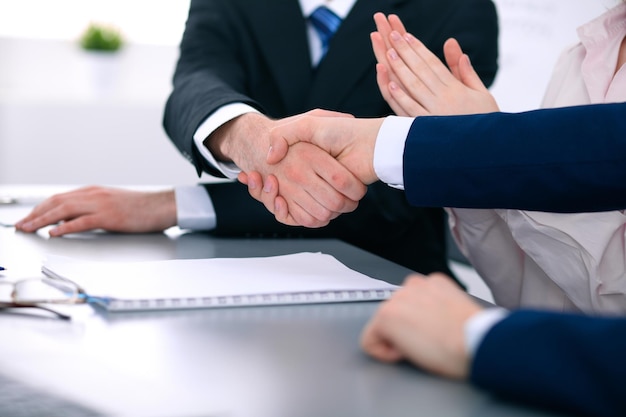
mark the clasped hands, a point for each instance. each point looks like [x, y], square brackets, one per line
[413, 81]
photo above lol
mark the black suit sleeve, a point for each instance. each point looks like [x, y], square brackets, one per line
[208, 76]
[409, 236]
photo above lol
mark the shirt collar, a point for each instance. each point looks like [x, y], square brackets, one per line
[610, 24]
[340, 7]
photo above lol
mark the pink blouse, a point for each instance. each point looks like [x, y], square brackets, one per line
[559, 261]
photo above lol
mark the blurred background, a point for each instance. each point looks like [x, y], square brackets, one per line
[74, 116]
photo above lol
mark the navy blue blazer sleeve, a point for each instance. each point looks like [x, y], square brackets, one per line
[569, 159]
[566, 362]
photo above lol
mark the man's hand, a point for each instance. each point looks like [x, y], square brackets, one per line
[414, 82]
[423, 322]
[351, 141]
[316, 187]
[111, 209]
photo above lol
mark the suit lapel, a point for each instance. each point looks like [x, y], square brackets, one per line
[282, 38]
[350, 49]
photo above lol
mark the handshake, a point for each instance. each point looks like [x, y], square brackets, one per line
[306, 169]
[320, 188]
[319, 163]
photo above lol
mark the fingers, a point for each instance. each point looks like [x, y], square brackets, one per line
[460, 66]
[423, 322]
[397, 96]
[279, 144]
[243, 178]
[380, 48]
[396, 24]
[388, 90]
[380, 41]
[297, 215]
[342, 183]
[469, 77]
[411, 76]
[326, 113]
[314, 188]
[421, 62]
[452, 52]
[60, 207]
[412, 79]
[427, 86]
[285, 135]
[384, 29]
[375, 343]
[70, 218]
[384, 26]
[77, 225]
[267, 194]
[110, 209]
[405, 104]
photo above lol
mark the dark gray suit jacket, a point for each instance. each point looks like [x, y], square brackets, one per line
[256, 52]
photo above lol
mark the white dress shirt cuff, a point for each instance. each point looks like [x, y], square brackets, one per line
[218, 118]
[194, 208]
[479, 325]
[389, 150]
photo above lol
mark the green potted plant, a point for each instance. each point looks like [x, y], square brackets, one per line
[101, 37]
[102, 43]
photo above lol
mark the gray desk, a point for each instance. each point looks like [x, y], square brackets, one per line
[289, 361]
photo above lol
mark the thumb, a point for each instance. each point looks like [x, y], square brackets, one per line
[459, 64]
[300, 128]
[468, 75]
[452, 52]
[327, 113]
[287, 134]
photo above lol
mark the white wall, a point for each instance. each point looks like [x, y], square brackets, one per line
[67, 118]
[156, 22]
[532, 35]
[63, 121]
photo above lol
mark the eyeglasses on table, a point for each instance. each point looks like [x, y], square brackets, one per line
[41, 293]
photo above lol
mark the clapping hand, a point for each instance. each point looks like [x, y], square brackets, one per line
[414, 82]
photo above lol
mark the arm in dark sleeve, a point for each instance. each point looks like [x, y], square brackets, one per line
[561, 361]
[562, 160]
[388, 227]
[208, 75]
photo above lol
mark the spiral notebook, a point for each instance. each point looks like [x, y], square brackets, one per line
[301, 278]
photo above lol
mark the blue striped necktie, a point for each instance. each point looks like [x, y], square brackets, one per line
[326, 24]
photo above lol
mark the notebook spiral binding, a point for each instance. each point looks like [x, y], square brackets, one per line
[250, 300]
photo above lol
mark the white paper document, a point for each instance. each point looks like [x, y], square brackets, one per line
[218, 282]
